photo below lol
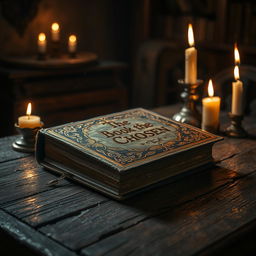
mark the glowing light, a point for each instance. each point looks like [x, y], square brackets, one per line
[41, 37]
[210, 88]
[55, 26]
[237, 55]
[29, 109]
[191, 40]
[236, 73]
[72, 38]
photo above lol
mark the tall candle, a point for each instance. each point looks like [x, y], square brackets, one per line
[211, 110]
[29, 121]
[237, 94]
[55, 32]
[72, 43]
[191, 59]
[42, 43]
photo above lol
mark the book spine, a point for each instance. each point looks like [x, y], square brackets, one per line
[39, 147]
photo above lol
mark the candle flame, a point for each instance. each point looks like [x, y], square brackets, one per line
[237, 55]
[41, 37]
[210, 88]
[29, 109]
[236, 73]
[55, 26]
[72, 38]
[190, 35]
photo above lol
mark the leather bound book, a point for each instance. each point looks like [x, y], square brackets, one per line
[124, 153]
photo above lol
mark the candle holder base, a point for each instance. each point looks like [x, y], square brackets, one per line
[189, 113]
[236, 129]
[26, 143]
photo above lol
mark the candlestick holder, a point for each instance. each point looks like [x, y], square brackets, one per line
[189, 113]
[236, 129]
[26, 143]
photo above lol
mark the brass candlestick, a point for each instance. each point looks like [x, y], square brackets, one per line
[236, 129]
[189, 113]
[26, 143]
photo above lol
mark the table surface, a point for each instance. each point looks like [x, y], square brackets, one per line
[200, 214]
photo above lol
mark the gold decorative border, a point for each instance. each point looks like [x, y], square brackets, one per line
[140, 111]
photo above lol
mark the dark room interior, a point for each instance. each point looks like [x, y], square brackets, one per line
[101, 100]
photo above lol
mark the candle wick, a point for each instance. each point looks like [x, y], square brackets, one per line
[28, 117]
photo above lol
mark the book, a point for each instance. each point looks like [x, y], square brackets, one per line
[124, 153]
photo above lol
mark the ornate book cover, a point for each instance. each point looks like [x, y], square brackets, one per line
[126, 140]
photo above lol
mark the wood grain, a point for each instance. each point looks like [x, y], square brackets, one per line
[189, 229]
[22, 178]
[54, 204]
[112, 217]
[31, 238]
[6, 151]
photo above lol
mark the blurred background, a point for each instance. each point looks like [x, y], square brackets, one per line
[140, 46]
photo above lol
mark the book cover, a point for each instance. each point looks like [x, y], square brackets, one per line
[124, 153]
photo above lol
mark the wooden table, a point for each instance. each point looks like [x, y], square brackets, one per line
[206, 213]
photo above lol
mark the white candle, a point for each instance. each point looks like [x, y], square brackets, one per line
[42, 43]
[237, 94]
[55, 32]
[191, 59]
[72, 44]
[211, 110]
[29, 121]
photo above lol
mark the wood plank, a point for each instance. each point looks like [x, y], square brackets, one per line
[6, 151]
[111, 217]
[31, 238]
[197, 225]
[64, 201]
[22, 178]
[54, 204]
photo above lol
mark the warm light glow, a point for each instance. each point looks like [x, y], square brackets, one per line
[210, 88]
[236, 72]
[55, 26]
[72, 38]
[237, 55]
[29, 109]
[190, 35]
[41, 37]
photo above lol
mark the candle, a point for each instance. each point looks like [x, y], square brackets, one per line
[42, 43]
[237, 94]
[211, 110]
[191, 59]
[55, 32]
[237, 88]
[72, 43]
[29, 121]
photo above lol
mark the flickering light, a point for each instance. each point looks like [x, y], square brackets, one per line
[210, 88]
[190, 35]
[237, 55]
[29, 109]
[236, 73]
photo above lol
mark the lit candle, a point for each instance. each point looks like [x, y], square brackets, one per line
[191, 59]
[29, 121]
[72, 43]
[237, 88]
[237, 94]
[55, 32]
[211, 110]
[42, 43]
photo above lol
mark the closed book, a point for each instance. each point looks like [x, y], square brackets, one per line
[124, 153]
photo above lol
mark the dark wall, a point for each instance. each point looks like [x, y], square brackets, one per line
[101, 26]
